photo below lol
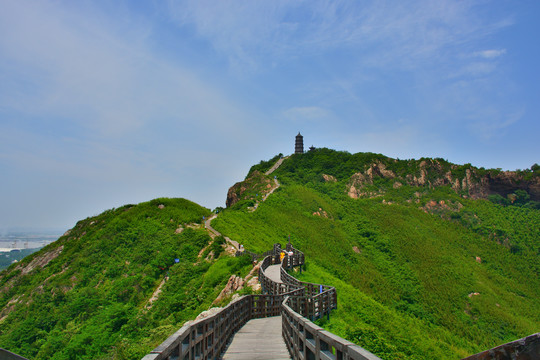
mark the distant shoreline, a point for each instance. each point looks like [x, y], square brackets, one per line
[26, 240]
[3, 250]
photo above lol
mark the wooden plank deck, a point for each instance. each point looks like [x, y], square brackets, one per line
[258, 339]
[273, 272]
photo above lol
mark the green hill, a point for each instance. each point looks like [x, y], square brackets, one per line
[425, 266]
[87, 295]
[431, 260]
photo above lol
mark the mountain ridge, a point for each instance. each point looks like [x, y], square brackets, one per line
[465, 180]
[458, 271]
[423, 270]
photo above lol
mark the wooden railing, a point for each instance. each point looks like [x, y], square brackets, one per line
[294, 300]
[8, 355]
[527, 348]
[207, 338]
[305, 340]
[303, 300]
[310, 300]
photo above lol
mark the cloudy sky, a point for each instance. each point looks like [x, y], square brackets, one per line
[104, 103]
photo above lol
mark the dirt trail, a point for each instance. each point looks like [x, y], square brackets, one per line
[214, 232]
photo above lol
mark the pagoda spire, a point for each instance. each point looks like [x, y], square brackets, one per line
[299, 144]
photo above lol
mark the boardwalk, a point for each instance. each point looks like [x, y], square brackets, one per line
[273, 272]
[259, 339]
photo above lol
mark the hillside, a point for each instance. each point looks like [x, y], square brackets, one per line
[9, 257]
[431, 260]
[111, 287]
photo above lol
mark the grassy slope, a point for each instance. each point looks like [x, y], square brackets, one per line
[406, 294]
[88, 303]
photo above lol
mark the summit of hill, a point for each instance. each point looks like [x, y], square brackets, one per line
[430, 259]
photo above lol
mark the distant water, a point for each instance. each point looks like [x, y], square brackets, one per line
[26, 240]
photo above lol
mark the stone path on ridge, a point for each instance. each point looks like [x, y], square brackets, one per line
[276, 165]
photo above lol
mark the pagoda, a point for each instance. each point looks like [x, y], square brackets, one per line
[299, 144]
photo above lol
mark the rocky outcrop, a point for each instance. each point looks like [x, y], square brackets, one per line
[255, 186]
[41, 261]
[469, 182]
[235, 283]
[507, 182]
[329, 178]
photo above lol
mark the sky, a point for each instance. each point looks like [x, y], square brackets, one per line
[106, 103]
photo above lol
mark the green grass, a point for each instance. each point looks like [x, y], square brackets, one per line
[89, 302]
[405, 295]
[406, 272]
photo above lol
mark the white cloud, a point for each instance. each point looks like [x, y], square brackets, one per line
[307, 114]
[65, 66]
[382, 32]
[490, 54]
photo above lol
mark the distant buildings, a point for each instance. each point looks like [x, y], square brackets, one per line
[299, 145]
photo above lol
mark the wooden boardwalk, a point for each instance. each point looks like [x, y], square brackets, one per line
[273, 272]
[258, 339]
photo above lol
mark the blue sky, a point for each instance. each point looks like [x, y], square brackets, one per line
[107, 103]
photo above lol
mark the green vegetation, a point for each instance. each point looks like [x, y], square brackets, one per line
[421, 271]
[8, 257]
[264, 166]
[518, 198]
[92, 300]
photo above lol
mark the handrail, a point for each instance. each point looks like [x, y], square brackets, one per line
[303, 338]
[207, 338]
[315, 300]
[8, 355]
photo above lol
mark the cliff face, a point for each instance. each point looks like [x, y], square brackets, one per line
[472, 182]
[508, 182]
[255, 186]
[371, 175]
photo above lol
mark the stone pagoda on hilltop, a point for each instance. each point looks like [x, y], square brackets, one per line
[299, 144]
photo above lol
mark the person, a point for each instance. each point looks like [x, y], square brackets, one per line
[290, 253]
[281, 256]
[241, 248]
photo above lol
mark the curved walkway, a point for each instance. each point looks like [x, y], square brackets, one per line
[258, 339]
[273, 272]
